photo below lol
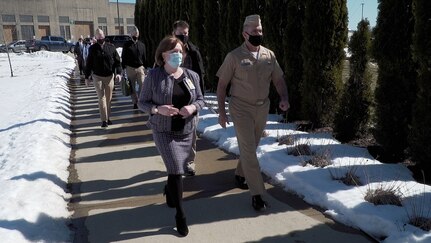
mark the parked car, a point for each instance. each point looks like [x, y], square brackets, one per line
[15, 46]
[50, 43]
[117, 40]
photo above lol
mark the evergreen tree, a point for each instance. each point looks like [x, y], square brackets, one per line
[273, 30]
[324, 39]
[212, 17]
[421, 125]
[233, 27]
[353, 114]
[222, 33]
[292, 62]
[395, 91]
[197, 25]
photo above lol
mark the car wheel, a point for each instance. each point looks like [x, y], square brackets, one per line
[43, 48]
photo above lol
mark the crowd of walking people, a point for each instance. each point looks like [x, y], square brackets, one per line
[171, 92]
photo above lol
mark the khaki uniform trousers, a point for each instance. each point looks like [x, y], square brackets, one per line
[104, 87]
[135, 75]
[249, 122]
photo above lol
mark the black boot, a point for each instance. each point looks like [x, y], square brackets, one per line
[182, 226]
[240, 182]
[169, 199]
[258, 203]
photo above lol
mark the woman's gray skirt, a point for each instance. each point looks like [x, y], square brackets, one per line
[174, 149]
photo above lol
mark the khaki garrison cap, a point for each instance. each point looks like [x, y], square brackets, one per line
[252, 20]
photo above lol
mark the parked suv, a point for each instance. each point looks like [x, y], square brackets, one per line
[117, 40]
[49, 43]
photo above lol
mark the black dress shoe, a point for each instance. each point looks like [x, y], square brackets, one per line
[169, 200]
[109, 122]
[240, 182]
[258, 204]
[135, 106]
[182, 226]
[104, 124]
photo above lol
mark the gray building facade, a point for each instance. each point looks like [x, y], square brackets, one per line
[27, 19]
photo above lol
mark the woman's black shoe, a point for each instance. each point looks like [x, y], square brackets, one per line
[257, 203]
[169, 200]
[240, 182]
[109, 122]
[104, 124]
[182, 226]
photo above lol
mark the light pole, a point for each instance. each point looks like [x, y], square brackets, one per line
[118, 18]
[8, 57]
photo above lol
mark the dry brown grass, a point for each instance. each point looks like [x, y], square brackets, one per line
[384, 196]
[300, 150]
[286, 140]
[347, 175]
[320, 159]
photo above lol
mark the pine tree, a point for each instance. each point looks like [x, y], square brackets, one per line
[292, 63]
[324, 37]
[353, 114]
[212, 17]
[395, 91]
[421, 125]
[233, 26]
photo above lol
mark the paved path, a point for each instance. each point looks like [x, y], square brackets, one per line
[117, 179]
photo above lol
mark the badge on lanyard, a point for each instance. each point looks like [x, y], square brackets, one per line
[189, 83]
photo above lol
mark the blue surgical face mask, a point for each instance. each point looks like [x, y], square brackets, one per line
[175, 59]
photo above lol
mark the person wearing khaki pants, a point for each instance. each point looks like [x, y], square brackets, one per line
[133, 61]
[102, 61]
[104, 87]
[250, 69]
[135, 76]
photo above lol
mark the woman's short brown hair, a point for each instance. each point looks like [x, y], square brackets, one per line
[168, 43]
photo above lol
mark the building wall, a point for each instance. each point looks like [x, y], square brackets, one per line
[25, 19]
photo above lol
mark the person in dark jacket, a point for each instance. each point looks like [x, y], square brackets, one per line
[133, 62]
[78, 51]
[103, 63]
[193, 61]
[172, 96]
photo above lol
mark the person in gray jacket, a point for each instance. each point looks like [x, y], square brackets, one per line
[172, 96]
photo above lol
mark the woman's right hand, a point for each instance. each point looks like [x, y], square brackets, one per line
[167, 110]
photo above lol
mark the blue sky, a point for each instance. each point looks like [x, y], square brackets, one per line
[354, 8]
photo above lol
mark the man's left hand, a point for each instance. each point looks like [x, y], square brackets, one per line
[284, 105]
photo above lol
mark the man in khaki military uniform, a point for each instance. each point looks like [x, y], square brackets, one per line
[249, 69]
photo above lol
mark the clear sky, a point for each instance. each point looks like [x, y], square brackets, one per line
[354, 8]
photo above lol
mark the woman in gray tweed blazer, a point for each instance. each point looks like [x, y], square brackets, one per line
[172, 96]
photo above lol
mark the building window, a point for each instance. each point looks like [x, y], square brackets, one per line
[104, 29]
[130, 21]
[63, 19]
[44, 19]
[65, 31]
[116, 20]
[8, 18]
[27, 32]
[26, 18]
[102, 20]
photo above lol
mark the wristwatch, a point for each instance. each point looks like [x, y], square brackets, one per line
[155, 110]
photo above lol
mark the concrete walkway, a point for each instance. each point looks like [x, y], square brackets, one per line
[117, 178]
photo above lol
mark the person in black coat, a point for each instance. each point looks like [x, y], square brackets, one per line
[192, 60]
[133, 63]
[103, 63]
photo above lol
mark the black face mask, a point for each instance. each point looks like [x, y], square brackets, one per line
[183, 38]
[100, 41]
[255, 40]
[134, 38]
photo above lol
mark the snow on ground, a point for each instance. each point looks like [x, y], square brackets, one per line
[34, 147]
[34, 155]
